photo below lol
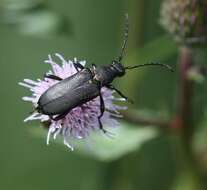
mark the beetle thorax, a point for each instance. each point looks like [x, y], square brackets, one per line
[106, 74]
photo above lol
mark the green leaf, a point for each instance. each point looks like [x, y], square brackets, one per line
[20, 5]
[99, 146]
[40, 23]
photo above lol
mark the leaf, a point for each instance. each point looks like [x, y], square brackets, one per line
[126, 140]
[40, 23]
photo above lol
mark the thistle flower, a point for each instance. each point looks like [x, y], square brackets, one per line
[80, 121]
[186, 20]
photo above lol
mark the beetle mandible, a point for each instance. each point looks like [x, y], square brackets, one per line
[85, 85]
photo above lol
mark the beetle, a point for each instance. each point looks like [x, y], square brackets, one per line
[85, 85]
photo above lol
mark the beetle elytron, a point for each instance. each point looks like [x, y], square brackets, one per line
[85, 85]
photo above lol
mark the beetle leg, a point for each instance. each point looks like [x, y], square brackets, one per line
[50, 76]
[110, 86]
[94, 66]
[60, 116]
[102, 109]
[78, 66]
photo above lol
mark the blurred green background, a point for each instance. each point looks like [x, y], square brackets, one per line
[92, 30]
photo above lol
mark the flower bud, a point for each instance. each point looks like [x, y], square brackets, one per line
[186, 20]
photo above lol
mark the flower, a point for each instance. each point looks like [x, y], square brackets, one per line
[81, 120]
[186, 20]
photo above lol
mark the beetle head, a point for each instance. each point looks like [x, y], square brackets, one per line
[116, 64]
[118, 67]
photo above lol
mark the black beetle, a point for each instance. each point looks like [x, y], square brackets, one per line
[84, 86]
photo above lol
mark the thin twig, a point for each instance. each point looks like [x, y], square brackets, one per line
[135, 118]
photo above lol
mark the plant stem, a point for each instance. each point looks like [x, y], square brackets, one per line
[183, 123]
[185, 96]
[133, 117]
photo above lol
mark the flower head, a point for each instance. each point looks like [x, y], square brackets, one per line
[81, 120]
[186, 20]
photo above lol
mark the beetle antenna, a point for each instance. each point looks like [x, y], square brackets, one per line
[126, 34]
[151, 64]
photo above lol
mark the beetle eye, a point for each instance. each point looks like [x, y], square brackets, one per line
[118, 67]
